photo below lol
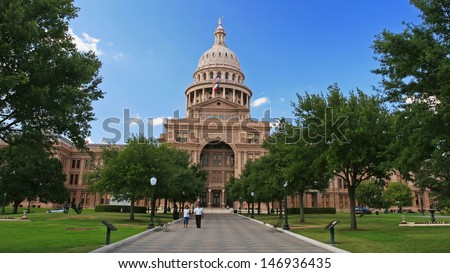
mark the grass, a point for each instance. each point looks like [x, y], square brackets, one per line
[67, 233]
[81, 233]
[376, 233]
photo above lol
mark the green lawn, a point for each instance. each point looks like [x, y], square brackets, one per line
[73, 233]
[376, 233]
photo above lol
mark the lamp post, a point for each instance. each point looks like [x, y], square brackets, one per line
[286, 224]
[152, 200]
[253, 203]
[240, 205]
[4, 204]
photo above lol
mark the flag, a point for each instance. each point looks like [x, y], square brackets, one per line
[216, 83]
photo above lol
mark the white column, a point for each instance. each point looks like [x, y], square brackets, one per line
[223, 198]
[209, 198]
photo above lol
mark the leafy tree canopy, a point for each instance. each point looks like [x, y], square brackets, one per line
[415, 70]
[47, 86]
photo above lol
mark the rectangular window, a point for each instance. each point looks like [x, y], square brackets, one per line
[73, 179]
[87, 163]
[204, 160]
[76, 163]
[181, 136]
[340, 184]
[252, 138]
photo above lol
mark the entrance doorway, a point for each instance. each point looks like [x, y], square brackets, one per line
[216, 200]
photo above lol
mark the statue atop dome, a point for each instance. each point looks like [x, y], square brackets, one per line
[220, 34]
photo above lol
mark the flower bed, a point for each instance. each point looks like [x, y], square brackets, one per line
[424, 224]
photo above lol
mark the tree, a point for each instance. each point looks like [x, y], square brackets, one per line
[47, 86]
[305, 168]
[415, 70]
[371, 193]
[398, 194]
[355, 131]
[28, 172]
[125, 172]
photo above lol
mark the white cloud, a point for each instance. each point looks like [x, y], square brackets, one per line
[260, 101]
[117, 56]
[282, 99]
[158, 121]
[86, 43]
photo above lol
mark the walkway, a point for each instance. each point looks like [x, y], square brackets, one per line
[220, 233]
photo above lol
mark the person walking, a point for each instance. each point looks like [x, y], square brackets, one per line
[198, 211]
[186, 216]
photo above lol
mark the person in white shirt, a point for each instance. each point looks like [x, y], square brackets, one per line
[198, 211]
[186, 216]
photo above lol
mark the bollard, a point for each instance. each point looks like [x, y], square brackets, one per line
[109, 227]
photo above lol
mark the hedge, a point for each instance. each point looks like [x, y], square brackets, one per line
[312, 210]
[117, 208]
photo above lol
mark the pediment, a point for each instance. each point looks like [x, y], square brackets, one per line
[218, 103]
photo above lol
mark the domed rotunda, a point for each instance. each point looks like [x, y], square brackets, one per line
[218, 65]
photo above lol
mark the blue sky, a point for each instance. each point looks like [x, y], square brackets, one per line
[150, 50]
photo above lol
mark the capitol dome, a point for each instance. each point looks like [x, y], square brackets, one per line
[219, 55]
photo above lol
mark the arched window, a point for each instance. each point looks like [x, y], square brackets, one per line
[233, 77]
[226, 75]
[204, 76]
[211, 75]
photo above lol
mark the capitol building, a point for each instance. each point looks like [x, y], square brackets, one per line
[219, 134]
[218, 131]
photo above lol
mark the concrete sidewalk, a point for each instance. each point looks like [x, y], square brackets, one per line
[220, 233]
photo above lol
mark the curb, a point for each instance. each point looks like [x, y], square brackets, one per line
[129, 240]
[328, 247]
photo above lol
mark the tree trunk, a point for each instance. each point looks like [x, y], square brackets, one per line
[132, 209]
[302, 207]
[280, 202]
[165, 205]
[16, 206]
[29, 205]
[352, 201]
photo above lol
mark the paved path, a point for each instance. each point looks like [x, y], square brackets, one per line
[220, 233]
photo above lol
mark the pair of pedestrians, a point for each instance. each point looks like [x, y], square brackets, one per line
[198, 211]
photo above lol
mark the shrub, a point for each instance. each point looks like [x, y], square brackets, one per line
[116, 208]
[313, 210]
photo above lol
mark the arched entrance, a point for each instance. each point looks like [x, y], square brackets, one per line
[218, 160]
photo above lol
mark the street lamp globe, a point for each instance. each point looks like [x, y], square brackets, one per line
[153, 181]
